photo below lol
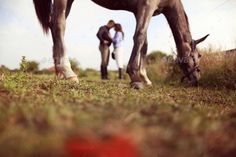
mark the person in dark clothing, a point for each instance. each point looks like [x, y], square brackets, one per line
[105, 39]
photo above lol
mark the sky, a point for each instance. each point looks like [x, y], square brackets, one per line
[21, 34]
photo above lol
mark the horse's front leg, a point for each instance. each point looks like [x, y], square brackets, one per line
[58, 25]
[143, 63]
[146, 9]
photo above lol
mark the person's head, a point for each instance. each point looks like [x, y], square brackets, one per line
[118, 28]
[111, 24]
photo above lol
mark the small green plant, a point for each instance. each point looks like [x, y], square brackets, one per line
[23, 64]
[28, 66]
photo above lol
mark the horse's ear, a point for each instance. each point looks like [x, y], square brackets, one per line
[201, 40]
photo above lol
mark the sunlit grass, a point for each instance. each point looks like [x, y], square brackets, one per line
[38, 114]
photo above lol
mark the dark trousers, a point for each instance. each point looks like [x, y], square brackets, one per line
[105, 53]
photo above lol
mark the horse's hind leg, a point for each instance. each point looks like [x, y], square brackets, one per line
[146, 9]
[143, 62]
[58, 24]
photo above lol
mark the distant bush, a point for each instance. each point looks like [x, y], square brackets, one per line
[89, 73]
[155, 57]
[45, 71]
[218, 69]
[33, 66]
[4, 69]
[159, 65]
[74, 65]
[29, 66]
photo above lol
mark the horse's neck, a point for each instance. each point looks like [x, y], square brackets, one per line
[179, 25]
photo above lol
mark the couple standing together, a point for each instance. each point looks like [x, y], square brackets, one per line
[105, 42]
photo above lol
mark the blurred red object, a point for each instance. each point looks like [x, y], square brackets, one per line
[112, 147]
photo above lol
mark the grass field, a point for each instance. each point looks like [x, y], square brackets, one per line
[44, 117]
[38, 115]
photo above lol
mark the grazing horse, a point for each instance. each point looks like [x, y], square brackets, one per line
[52, 15]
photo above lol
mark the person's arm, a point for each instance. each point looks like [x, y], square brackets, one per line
[104, 36]
[100, 34]
[107, 36]
[117, 38]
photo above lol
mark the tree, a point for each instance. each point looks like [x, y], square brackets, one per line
[156, 57]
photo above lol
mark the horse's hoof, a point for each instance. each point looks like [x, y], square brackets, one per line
[149, 84]
[73, 79]
[137, 85]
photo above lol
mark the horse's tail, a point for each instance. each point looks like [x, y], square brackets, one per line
[43, 9]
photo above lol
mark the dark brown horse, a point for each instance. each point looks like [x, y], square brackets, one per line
[53, 16]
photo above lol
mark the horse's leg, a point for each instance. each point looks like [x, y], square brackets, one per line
[68, 7]
[142, 67]
[58, 24]
[146, 9]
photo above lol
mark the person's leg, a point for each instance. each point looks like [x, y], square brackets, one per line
[121, 74]
[119, 60]
[102, 62]
[107, 56]
[104, 49]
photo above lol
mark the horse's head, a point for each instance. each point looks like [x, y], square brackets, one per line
[189, 63]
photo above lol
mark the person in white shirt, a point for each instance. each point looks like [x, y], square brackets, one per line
[118, 49]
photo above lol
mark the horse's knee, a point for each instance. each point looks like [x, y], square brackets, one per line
[132, 68]
[140, 36]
